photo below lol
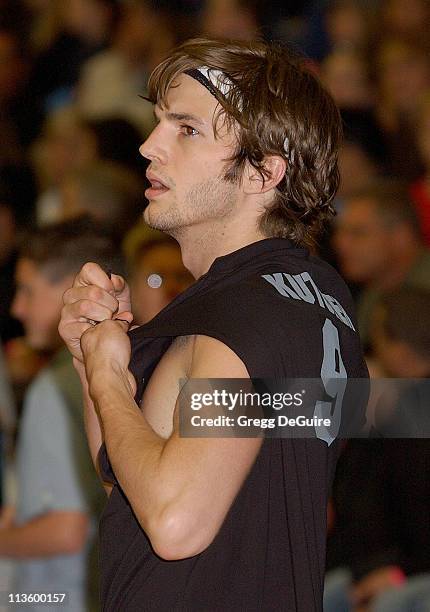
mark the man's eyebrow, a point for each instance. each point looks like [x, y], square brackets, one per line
[184, 117]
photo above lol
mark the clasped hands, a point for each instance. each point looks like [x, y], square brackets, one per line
[94, 322]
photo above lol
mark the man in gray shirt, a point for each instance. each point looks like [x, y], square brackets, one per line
[59, 495]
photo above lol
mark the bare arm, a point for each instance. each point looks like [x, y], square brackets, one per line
[91, 420]
[92, 424]
[53, 533]
[180, 488]
[93, 297]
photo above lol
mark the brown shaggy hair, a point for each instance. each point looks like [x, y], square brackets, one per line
[273, 97]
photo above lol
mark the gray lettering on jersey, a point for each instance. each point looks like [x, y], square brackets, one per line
[339, 311]
[299, 290]
[306, 277]
[278, 282]
[334, 377]
[327, 303]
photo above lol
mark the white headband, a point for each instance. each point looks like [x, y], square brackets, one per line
[217, 82]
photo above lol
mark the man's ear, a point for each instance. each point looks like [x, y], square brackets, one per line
[275, 167]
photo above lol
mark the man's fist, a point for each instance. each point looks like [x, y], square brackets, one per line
[106, 350]
[94, 297]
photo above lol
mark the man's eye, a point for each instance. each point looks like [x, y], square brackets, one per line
[187, 130]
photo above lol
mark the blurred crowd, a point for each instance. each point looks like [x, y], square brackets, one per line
[72, 187]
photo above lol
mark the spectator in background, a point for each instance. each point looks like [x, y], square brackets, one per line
[400, 336]
[357, 168]
[403, 76]
[420, 189]
[230, 19]
[347, 24]
[405, 19]
[361, 157]
[157, 274]
[379, 540]
[108, 193]
[19, 108]
[59, 496]
[345, 74]
[335, 24]
[378, 244]
[86, 28]
[400, 333]
[378, 548]
[63, 147]
[360, 163]
[111, 81]
[72, 143]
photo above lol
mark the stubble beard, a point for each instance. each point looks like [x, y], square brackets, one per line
[213, 199]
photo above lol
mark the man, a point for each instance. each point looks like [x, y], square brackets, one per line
[379, 246]
[59, 496]
[242, 171]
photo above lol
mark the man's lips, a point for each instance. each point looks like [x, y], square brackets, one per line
[157, 186]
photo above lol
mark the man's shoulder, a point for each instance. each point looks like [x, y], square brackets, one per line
[309, 285]
[266, 306]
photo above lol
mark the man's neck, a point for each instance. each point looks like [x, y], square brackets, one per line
[201, 246]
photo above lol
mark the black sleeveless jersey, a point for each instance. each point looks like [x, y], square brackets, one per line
[277, 308]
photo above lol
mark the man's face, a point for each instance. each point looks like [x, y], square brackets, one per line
[37, 304]
[362, 242]
[187, 162]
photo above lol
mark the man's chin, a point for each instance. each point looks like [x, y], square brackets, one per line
[147, 216]
[157, 221]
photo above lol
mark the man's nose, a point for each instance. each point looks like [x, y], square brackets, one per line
[154, 148]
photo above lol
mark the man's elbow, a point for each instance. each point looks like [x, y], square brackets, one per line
[174, 536]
